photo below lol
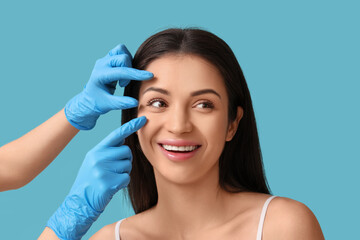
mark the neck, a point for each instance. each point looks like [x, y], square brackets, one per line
[183, 207]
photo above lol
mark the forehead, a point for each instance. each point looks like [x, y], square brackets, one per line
[183, 73]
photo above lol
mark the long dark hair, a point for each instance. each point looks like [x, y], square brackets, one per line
[240, 164]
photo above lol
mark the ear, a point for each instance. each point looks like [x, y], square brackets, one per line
[234, 125]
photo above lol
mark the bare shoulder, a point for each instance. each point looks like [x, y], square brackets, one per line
[290, 219]
[107, 232]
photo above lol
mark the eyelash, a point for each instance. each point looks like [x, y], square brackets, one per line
[151, 101]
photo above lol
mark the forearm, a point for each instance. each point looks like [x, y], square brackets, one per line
[23, 159]
[48, 234]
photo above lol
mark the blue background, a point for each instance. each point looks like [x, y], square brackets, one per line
[300, 59]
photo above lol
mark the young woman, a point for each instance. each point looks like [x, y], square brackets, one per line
[197, 168]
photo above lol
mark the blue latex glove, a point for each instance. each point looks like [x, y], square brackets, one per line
[97, 97]
[105, 170]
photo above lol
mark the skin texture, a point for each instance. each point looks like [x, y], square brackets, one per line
[189, 191]
[21, 160]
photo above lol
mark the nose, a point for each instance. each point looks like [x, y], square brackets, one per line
[178, 121]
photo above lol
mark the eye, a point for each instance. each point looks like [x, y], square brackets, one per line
[156, 103]
[205, 104]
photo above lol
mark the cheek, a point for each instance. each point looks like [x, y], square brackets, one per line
[214, 130]
[145, 143]
[148, 132]
[145, 131]
[144, 134]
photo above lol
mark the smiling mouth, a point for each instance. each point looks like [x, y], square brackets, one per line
[179, 149]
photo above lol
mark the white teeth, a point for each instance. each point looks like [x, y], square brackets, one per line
[179, 148]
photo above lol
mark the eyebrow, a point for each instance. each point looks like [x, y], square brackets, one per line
[193, 94]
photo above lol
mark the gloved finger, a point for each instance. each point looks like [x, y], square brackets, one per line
[111, 155]
[111, 183]
[120, 49]
[123, 166]
[124, 83]
[122, 180]
[125, 73]
[117, 166]
[121, 60]
[117, 137]
[120, 102]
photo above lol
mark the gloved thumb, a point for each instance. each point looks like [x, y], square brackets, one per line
[120, 102]
[124, 83]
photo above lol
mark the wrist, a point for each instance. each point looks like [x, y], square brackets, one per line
[70, 118]
[73, 218]
[79, 115]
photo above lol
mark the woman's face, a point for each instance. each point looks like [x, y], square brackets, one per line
[186, 105]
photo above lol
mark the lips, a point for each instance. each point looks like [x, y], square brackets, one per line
[179, 148]
[179, 142]
[178, 155]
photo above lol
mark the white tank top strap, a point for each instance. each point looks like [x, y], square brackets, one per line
[262, 218]
[117, 229]
[260, 227]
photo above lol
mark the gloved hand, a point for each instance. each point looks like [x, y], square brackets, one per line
[105, 170]
[97, 98]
